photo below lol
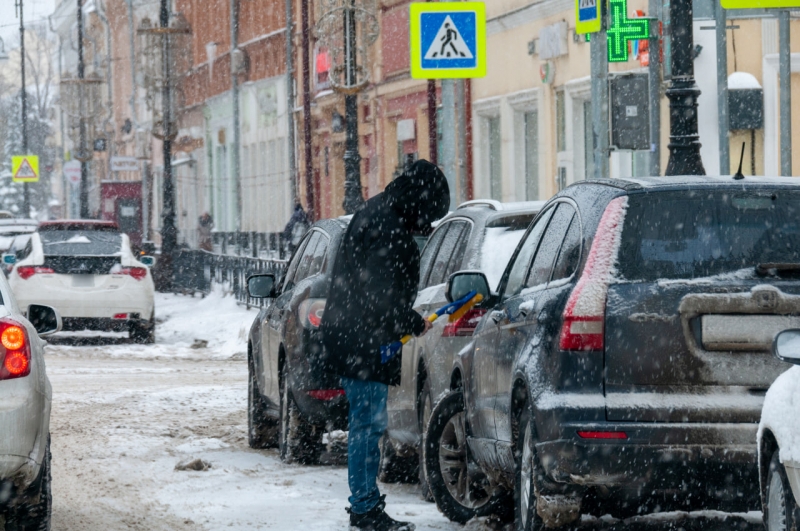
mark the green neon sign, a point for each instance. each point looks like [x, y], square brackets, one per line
[623, 29]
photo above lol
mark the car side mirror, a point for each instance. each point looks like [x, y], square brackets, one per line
[44, 319]
[461, 283]
[786, 346]
[9, 258]
[261, 286]
[147, 260]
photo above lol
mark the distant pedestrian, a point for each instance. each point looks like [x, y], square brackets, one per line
[204, 226]
[370, 303]
[297, 227]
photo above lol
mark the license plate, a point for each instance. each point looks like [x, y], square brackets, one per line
[82, 281]
[744, 332]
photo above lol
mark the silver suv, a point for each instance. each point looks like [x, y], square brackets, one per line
[25, 397]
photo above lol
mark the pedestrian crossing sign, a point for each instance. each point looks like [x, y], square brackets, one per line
[448, 40]
[25, 168]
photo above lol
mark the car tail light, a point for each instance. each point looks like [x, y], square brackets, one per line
[120, 316]
[26, 272]
[602, 435]
[136, 272]
[326, 394]
[15, 350]
[585, 313]
[310, 312]
[466, 325]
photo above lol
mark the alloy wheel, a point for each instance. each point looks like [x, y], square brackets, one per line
[526, 476]
[466, 484]
[776, 515]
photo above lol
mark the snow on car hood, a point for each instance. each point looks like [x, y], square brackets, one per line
[781, 414]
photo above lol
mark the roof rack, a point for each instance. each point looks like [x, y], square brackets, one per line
[486, 203]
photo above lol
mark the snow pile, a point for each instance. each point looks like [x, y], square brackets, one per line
[780, 414]
[211, 327]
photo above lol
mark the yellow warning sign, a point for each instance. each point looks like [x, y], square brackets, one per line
[25, 168]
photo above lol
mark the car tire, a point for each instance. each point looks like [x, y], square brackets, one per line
[781, 512]
[262, 430]
[459, 488]
[424, 409]
[300, 441]
[395, 468]
[527, 469]
[36, 516]
[144, 334]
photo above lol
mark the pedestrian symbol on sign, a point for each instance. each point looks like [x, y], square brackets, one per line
[25, 168]
[448, 43]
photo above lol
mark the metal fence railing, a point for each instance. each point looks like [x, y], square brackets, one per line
[270, 245]
[198, 271]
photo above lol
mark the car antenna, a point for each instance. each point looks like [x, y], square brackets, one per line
[739, 175]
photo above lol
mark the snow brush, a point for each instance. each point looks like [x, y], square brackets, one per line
[456, 310]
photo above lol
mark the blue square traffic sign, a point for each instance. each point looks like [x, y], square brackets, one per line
[448, 40]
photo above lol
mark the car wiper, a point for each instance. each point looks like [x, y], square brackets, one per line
[763, 270]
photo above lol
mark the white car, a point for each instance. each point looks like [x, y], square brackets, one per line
[87, 271]
[25, 398]
[779, 441]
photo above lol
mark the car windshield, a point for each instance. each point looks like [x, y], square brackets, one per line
[81, 243]
[500, 239]
[694, 235]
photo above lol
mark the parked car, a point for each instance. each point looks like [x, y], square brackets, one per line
[19, 249]
[87, 271]
[10, 228]
[480, 236]
[290, 403]
[624, 358]
[779, 440]
[25, 398]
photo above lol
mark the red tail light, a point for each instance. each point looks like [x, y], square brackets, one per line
[311, 311]
[326, 394]
[26, 272]
[585, 314]
[466, 325]
[602, 435]
[136, 272]
[15, 350]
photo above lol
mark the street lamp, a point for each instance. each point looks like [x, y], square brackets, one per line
[165, 53]
[347, 28]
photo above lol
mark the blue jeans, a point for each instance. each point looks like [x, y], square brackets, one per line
[368, 419]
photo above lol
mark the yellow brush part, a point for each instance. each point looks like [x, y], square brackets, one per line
[461, 312]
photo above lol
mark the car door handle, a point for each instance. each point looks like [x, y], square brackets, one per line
[497, 315]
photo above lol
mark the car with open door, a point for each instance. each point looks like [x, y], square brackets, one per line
[624, 359]
[291, 403]
[25, 400]
[88, 272]
[479, 235]
[779, 440]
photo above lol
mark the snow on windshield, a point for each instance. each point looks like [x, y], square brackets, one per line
[498, 246]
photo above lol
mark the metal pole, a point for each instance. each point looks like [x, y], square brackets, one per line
[169, 234]
[26, 198]
[448, 162]
[461, 115]
[654, 78]
[722, 89]
[307, 109]
[433, 147]
[599, 69]
[353, 198]
[237, 132]
[785, 70]
[684, 140]
[84, 187]
[290, 102]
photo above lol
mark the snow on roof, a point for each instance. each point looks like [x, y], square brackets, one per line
[742, 81]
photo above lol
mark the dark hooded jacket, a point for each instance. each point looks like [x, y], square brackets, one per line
[375, 277]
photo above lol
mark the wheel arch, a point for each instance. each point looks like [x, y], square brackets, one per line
[519, 398]
[457, 380]
[767, 445]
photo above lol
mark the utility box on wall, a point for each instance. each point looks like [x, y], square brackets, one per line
[745, 109]
[629, 98]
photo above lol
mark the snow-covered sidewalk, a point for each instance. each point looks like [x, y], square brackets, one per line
[125, 415]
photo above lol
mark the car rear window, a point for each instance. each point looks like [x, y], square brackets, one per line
[500, 238]
[686, 235]
[81, 243]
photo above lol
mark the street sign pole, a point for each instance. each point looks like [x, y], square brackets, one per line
[722, 89]
[26, 198]
[654, 77]
[599, 69]
[785, 71]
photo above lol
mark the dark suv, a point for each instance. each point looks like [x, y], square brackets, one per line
[624, 360]
[291, 405]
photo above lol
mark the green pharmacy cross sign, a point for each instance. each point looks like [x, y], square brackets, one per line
[623, 29]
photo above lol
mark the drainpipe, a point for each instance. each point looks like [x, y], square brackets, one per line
[290, 102]
[237, 133]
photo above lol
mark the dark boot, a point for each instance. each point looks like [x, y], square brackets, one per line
[377, 520]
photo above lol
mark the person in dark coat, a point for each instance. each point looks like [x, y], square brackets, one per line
[370, 303]
[297, 227]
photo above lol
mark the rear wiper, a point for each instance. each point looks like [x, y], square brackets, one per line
[763, 270]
